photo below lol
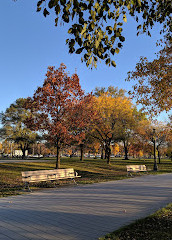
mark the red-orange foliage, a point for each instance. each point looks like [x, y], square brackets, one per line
[60, 105]
[82, 116]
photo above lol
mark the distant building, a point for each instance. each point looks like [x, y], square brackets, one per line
[19, 153]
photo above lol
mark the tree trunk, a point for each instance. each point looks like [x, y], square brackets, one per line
[58, 157]
[159, 157]
[108, 159]
[82, 152]
[102, 155]
[126, 151]
[40, 151]
[33, 150]
[108, 153]
[23, 151]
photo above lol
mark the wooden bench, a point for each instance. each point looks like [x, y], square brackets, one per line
[48, 175]
[135, 168]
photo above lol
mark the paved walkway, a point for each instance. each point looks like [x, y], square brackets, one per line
[83, 212]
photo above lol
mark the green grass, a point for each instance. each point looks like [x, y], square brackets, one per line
[91, 170]
[157, 226]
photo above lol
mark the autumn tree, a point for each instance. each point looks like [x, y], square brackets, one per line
[140, 140]
[149, 131]
[115, 149]
[55, 105]
[169, 138]
[153, 88]
[126, 128]
[82, 117]
[96, 27]
[14, 127]
[5, 147]
[163, 137]
[0, 147]
[111, 111]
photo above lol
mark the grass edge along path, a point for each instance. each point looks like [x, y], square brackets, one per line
[157, 226]
[91, 170]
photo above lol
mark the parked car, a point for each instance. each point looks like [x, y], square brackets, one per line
[52, 155]
[66, 155]
[36, 156]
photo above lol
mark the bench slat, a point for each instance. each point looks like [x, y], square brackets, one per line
[53, 171]
[48, 175]
[136, 168]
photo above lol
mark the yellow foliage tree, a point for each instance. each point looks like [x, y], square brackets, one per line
[0, 147]
[111, 111]
[115, 149]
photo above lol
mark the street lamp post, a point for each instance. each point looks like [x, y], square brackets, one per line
[155, 168]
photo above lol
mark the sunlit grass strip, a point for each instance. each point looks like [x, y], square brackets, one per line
[157, 226]
[91, 170]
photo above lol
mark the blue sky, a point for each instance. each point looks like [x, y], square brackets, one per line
[29, 43]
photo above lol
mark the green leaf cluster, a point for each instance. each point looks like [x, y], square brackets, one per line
[92, 33]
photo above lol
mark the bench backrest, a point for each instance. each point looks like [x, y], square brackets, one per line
[45, 175]
[136, 168]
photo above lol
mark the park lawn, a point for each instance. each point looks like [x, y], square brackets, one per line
[91, 170]
[157, 226]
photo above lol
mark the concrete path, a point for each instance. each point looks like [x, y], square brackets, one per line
[83, 212]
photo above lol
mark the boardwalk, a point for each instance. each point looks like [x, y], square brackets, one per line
[82, 212]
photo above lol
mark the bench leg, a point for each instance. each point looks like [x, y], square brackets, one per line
[74, 181]
[129, 173]
[27, 187]
[52, 181]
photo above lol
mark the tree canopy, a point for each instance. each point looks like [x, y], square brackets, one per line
[96, 27]
[58, 107]
[14, 127]
[111, 112]
[110, 91]
[153, 88]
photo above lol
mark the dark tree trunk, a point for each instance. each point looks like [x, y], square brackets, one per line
[159, 157]
[23, 155]
[82, 152]
[108, 153]
[105, 153]
[126, 151]
[58, 157]
[108, 159]
[102, 151]
[23, 151]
